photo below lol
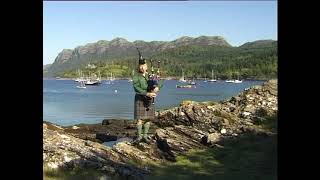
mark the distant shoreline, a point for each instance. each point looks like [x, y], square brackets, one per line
[168, 78]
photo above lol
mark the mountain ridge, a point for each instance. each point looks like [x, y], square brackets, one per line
[121, 48]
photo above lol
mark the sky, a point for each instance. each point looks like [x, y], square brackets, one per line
[68, 24]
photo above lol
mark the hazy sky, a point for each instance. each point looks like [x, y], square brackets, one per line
[67, 25]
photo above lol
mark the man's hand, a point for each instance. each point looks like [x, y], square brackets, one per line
[151, 95]
[156, 89]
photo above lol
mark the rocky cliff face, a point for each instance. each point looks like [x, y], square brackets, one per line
[64, 56]
[177, 130]
[258, 44]
[121, 45]
[121, 48]
[46, 66]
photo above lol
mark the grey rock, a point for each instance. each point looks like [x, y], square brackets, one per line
[211, 138]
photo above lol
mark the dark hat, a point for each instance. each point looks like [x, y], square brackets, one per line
[142, 60]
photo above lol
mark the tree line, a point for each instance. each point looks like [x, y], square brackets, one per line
[197, 62]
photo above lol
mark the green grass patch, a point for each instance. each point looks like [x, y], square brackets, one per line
[270, 123]
[75, 174]
[248, 158]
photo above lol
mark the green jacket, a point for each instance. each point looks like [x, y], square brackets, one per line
[140, 84]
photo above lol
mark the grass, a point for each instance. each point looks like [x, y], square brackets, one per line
[76, 174]
[249, 157]
[270, 123]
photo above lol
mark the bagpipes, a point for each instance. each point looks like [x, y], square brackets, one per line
[153, 80]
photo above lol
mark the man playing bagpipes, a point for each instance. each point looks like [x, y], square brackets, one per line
[146, 85]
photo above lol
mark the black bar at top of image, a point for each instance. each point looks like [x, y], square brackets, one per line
[158, 0]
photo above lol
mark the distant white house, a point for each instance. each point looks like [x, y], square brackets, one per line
[91, 66]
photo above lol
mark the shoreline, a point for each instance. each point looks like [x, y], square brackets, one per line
[156, 112]
[168, 78]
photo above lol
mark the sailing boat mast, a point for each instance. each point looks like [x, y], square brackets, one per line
[212, 78]
[132, 74]
[212, 73]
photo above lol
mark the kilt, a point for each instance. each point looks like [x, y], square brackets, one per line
[140, 111]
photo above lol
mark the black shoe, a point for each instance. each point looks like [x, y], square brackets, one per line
[146, 140]
[137, 141]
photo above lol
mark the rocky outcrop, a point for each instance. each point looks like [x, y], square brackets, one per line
[177, 130]
[258, 102]
[65, 151]
[108, 130]
[193, 124]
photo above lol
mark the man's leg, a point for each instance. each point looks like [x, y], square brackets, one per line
[139, 130]
[146, 127]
